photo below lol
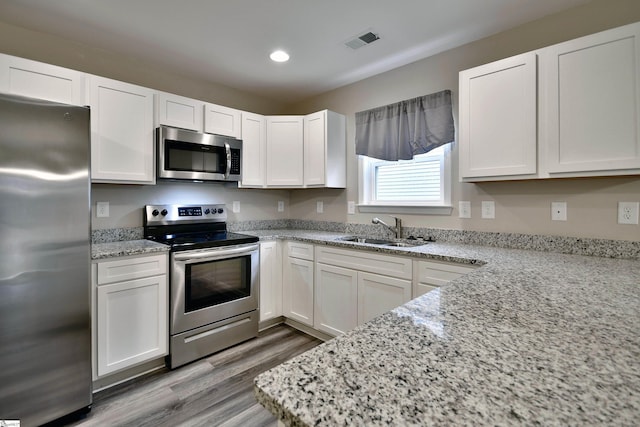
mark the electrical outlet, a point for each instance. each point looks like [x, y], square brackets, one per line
[351, 207]
[235, 207]
[319, 207]
[628, 212]
[280, 206]
[102, 209]
[558, 211]
[464, 209]
[488, 209]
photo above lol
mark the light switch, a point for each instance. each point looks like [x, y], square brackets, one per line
[319, 207]
[464, 209]
[488, 209]
[236, 207]
[280, 206]
[102, 209]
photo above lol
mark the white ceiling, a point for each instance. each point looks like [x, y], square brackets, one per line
[229, 41]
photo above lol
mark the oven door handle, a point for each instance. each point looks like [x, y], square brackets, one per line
[217, 253]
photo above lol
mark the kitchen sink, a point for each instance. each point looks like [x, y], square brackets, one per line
[382, 242]
[367, 240]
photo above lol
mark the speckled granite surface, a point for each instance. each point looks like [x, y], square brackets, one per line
[116, 234]
[123, 248]
[570, 245]
[530, 338]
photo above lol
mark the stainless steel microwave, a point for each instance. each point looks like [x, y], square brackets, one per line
[188, 155]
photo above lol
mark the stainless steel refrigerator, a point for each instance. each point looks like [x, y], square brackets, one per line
[45, 335]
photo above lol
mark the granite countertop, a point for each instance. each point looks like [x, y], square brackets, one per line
[127, 247]
[529, 338]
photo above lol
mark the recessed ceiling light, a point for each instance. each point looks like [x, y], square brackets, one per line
[279, 56]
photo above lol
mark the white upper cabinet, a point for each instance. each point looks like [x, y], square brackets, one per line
[590, 103]
[587, 118]
[254, 150]
[285, 152]
[122, 137]
[497, 132]
[37, 80]
[304, 151]
[178, 111]
[325, 150]
[222, 121]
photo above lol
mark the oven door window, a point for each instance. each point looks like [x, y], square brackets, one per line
[216, 282]
[183, 156]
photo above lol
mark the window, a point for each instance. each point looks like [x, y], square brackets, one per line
[418, 185]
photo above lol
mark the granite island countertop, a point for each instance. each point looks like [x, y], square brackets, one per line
[528, 338]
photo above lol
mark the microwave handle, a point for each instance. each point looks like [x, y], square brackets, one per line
[227, 149]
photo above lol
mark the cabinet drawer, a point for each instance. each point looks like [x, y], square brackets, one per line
[300, 250]
[131, 268]
[439, 273]
[387, 265]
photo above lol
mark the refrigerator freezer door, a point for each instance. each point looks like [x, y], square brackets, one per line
[45, 351]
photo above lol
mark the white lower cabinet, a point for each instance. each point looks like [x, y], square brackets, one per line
[353, 287]
[297, 286]
[270, 281]
[336, 299]
[130, 312]
[334, 290]
[429, 275]
[378, 294]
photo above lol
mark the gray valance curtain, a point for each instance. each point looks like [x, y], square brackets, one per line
[402, 130]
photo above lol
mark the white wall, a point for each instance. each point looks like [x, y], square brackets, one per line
[522, 207]
[126, 201]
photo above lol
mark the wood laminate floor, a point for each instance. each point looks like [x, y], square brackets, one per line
[214, 391]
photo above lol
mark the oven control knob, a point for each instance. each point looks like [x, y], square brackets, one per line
[164, 212]
[207, 211]
[155, 212]
[220, 210]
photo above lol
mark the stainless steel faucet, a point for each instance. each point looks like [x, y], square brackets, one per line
[397, 229]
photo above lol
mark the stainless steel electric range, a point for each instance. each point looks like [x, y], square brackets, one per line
[214, 279]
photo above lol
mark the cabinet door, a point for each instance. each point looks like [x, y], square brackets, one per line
[315, 144]
[498, 126]
[429, 275]
[180, 112]
[270, 281]
[336, 299]
[132, 323]
[298, 290]
[254, 140]
[591, 102]
[122, 145]
[379, 294]
[222, 121]
[37, 80]
[285, 162]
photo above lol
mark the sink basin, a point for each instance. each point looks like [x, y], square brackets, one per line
[382, 242]
[367, 240]
[403, 244]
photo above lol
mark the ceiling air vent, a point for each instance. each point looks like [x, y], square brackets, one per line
[362, 40]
